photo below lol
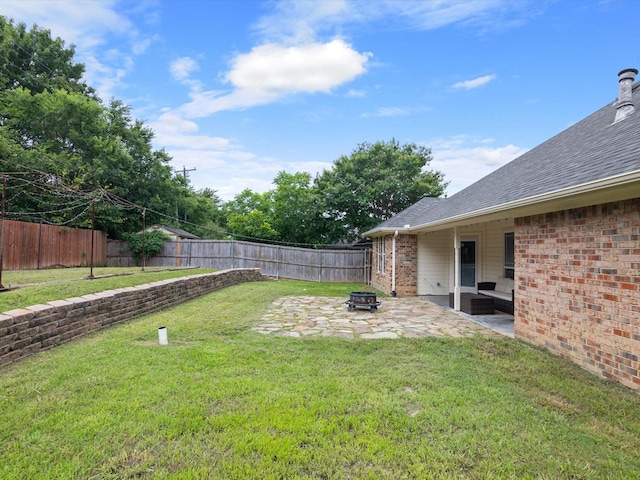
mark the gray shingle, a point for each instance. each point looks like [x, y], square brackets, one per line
[593, 149]
[412, 215]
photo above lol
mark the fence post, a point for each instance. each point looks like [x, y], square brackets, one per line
[319, 265]
[364, 264]
[144, 230]
[277, 262]
[4, 196]
[93, 227]
[39, 244]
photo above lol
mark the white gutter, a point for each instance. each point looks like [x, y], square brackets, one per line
[616, 181]
[393, 265]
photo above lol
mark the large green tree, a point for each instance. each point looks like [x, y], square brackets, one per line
[250, 215]
[374, 183]
[31, 59]
[371, 185]
[53, 125]
[286, 214]
[295, 212]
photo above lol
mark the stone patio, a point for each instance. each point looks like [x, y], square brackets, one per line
[409, 317]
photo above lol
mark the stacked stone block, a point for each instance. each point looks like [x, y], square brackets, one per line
[26, 331]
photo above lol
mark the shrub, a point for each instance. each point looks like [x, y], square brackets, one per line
[153, 244]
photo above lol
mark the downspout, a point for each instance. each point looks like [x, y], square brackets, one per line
[393, 265]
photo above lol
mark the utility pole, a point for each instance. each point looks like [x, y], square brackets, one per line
[184, 174]
[185, 170]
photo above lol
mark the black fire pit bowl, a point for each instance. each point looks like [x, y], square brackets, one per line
[363, 300]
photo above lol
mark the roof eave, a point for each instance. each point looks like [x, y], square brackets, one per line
[623, 180]
[376, 232]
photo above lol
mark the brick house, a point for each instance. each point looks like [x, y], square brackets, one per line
[562, 221]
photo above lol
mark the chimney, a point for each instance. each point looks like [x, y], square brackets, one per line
[625, 101]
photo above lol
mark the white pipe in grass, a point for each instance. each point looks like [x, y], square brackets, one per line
[162, 336]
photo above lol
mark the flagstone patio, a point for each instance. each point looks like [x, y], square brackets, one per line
[408, 317]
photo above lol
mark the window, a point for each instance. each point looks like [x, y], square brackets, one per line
[509, 257]
[380, 249]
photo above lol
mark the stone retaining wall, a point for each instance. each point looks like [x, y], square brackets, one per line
[26, 331]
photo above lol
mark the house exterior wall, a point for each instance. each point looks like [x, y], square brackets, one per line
[424, 261]
[493, 253]
[381, 278]
[435, 253]
[578, 286]
[406, 265]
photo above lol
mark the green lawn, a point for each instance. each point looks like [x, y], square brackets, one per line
[223, 402]
[41, 286]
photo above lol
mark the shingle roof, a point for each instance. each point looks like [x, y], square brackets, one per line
[593, 149]
[412, 215]
[178, 231]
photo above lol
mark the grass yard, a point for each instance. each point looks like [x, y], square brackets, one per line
[41, 286]
[223, 402]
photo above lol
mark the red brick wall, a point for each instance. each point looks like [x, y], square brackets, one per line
[406, 265]
[379, 280]
[578, 286]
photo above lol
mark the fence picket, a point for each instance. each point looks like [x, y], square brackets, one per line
[273, 260]
[32, 246]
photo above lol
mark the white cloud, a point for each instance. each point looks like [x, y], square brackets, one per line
[295, 21]
[356, 93]
[309, 68]
[170, 122]
[475, 83]
[465, 161]
[395, 111]
[388, 112]
[227, 171]
[270, 72]
[182, 68]
[436, 14]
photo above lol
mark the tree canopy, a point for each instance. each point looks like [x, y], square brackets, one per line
[374, 183]
[52, 123]
[63, 149]
[31, 59]
[371, 185]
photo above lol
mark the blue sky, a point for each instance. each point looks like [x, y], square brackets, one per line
[240, 90]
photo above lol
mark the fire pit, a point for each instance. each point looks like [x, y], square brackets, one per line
[363, 300]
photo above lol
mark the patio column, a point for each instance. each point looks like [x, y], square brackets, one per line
[456, 270]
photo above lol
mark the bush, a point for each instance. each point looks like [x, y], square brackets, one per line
[153, 244]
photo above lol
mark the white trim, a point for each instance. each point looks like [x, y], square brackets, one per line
[475, 238]
[624, 186]
[591, 188]
[456, 269]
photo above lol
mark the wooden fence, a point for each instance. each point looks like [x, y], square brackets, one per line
[31, 246]
[272, 260]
